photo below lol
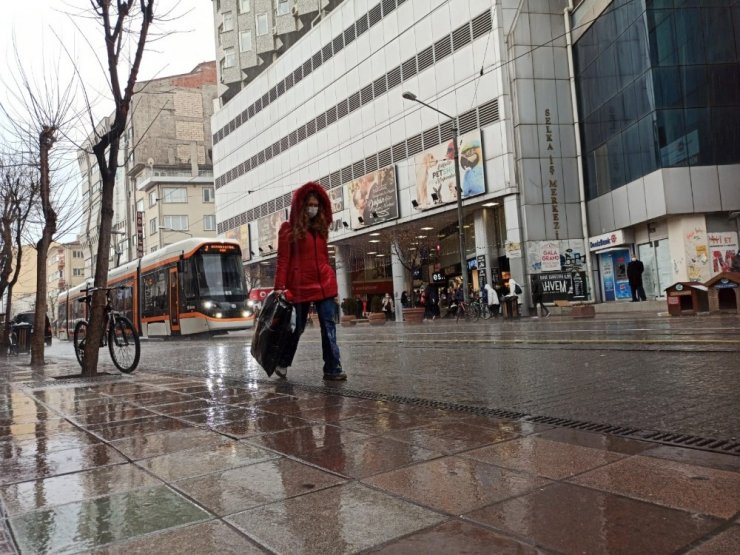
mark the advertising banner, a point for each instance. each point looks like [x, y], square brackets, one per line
[549, 256]
[562, 286]
[336, 196]
[139, 234]
[268, 228]
[240, 234]
[722, 248]
[435, 171]
[373, 198]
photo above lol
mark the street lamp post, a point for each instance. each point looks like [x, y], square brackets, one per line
[458, 191]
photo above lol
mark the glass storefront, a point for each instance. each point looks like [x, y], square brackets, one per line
[656, 257]
[659, 86]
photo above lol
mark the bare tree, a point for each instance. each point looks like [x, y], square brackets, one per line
[18, 194]
[117, 20]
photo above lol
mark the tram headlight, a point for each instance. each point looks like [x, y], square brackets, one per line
[207, 304]
[218, 315]
[250, 303]
[246, 314]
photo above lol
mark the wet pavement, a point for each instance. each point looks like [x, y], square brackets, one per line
[198, 452]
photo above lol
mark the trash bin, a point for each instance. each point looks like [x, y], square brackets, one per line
[23, 336]
[687, 297]
[510, 306]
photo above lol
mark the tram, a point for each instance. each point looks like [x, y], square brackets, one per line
[189, 287]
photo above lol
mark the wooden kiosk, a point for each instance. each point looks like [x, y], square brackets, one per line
[724, 292]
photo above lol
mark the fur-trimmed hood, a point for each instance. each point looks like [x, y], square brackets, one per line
[299, 197]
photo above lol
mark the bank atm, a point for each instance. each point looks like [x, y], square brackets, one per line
[614, 280]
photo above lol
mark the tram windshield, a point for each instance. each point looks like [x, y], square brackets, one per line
[217, 277]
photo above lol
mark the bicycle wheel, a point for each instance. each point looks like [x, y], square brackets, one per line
[472, 313]
[123, 344]
[78, 340]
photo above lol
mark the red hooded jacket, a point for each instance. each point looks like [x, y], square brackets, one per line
[303, 267]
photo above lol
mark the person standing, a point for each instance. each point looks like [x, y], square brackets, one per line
[304, 274]
[492, 300]
[537, 294]
[387, 305]
[634, 274]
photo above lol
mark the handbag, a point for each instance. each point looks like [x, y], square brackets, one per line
[273, 331]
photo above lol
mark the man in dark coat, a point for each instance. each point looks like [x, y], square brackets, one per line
[634, 274]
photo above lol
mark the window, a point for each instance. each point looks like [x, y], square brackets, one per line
[179, 223]
[262, 24]
[152, 226]
[140, 205]
[228, 22]
[77, 272]
[245, 41]
[229, 58]
[209, 223]
[282, 7]
[244, 6]
[152, 198]
[208, 194]
[174, 194]
[77, 254]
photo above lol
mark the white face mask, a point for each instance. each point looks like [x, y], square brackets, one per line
[312, 211]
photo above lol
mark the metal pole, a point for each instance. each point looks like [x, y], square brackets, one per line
[460, 227]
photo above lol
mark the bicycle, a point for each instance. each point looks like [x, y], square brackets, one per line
[469, 311]
[119, 334]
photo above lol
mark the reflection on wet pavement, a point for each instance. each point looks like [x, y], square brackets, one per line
[167, 462]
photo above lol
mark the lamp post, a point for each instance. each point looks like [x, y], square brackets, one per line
[117, 248]
[458, 190]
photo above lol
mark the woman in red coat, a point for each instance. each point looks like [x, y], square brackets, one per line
[305, 275]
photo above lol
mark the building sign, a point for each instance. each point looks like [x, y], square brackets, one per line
[608, 240]
[552, 183]
[481, 261]
[435, 171]
[722, 248]
[139, 234]
[268, 228]
[562, 286]
[373, 198]
[240, 234]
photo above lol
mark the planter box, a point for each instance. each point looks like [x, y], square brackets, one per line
[413, 315]
[583, 311]
[376, 318]
[348, 321]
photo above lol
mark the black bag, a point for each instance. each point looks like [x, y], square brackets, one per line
[517, 290]
[272, 332]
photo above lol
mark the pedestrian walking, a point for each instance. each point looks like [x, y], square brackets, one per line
[387, 306]
[537, 294]
[492, 299]
[405, 300]
[634, 275]
[304, 274]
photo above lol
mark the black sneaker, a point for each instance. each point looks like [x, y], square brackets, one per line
[282, 372]
[340, 377]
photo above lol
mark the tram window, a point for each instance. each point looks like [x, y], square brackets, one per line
[189, 281]
[219, 276]
[155, 293]
[123, 299]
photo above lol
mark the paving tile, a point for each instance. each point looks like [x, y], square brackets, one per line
[186, 407]
[360, 459]
[455, 536]
[152, 445]
[154, 398]
[205, 538]
[31, 445]
[453, 437]
[337, 414]
[551, 459]
[342, 519]
[259, 424]
[123, 388]
[298, 442]
[455, 485]
[597, 441]
[88, 524]
[219, 415]
[724, 543]
[110, 414]
[138, 427]
[572, 519]
[43, 465]
[673, 484]
[58, 490]
[228, 492]
[195, 462]
[47, 426]
[382, 422]
[296, 405]
[696, 457]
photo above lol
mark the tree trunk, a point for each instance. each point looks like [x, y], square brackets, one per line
[46, 140]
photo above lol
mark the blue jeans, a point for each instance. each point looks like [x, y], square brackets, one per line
[325, 310]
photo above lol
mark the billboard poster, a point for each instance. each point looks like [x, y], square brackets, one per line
[336, 196]
[240, 234]
[562, 286]
[268, 228]
[549, 256]
[435, 171]
[373, 198]
[722, 249]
